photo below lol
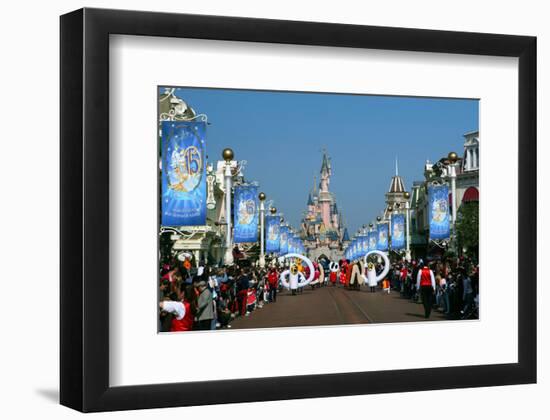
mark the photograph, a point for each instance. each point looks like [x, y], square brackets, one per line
[281, 209]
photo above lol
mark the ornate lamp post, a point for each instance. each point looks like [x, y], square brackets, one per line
[371, 225]
[227, 155]
[261, 197]
[390, 210]
[408, 222]
[453, 158]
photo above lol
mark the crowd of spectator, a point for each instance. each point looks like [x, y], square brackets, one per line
[209, 298]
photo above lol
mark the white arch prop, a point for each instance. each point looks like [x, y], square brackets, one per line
[371, 274]
[286, 273]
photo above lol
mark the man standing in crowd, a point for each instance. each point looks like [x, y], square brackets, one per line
[425, 282]
[205, 307]
[273, 280]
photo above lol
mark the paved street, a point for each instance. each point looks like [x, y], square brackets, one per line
[334, 306]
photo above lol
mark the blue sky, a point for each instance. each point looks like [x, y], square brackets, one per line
[282, 134]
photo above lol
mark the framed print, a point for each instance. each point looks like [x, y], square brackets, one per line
[257, 210]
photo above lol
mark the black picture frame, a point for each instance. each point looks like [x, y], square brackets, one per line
[84, 235]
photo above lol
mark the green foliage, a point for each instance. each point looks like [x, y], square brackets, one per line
[467, 226]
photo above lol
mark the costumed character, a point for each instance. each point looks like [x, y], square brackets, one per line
[372, 278]
[349, 269]
[296, 278]
[316, 276]
[321, 274]
[357, 277]
[333, 276]
[343, 270]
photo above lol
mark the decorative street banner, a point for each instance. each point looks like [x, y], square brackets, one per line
[292, 244]
[364, 244]
[382, 243]
[245, 214]
[398, 231]
[284, 232]
[373, 240]
[298, 246]
[183, 190]
[438, 212]
[272, 234]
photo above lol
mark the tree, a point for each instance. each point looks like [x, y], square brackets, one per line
[467, 228]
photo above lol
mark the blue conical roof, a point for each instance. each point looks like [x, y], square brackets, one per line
[345, 236]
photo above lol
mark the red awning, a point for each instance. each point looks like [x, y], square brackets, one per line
[471, 194]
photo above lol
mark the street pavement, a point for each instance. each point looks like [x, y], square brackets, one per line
[334, 306]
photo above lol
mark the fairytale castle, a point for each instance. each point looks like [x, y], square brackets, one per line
[322, 228]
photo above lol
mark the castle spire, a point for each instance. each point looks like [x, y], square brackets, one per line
[396, 167]
[325, 167]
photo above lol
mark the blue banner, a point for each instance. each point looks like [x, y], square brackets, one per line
[284, 233]
[364, 244]
[438, 212]
[398, 231]
[183, 189]
[272, 234]
[382, 243]
[292, 243]
[373, 240]
[245, 214]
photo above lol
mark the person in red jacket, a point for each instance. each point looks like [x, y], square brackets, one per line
[425, 282]
[273, 281]
[180, 308]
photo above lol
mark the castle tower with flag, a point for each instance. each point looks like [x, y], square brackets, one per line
[322, 228]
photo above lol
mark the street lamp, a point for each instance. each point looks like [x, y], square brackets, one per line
[227, 155]
[390, 210]
[261, 196]
[407, 196]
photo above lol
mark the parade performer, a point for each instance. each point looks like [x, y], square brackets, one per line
[342, 277]
[322, 279]
[357, 277]
[296, 278]
[372, 278]
[343, 270]
[334, 267]
[316, 276]
[349, 269]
